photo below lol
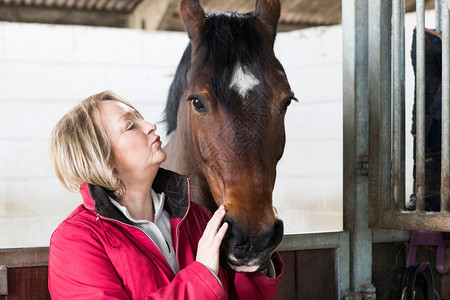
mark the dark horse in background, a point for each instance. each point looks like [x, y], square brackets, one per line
[225, 112]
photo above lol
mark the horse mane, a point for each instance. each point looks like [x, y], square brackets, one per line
[227, 39]
[178, 85]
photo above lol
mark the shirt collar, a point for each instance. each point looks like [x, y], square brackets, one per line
[174, 186]
[158, 203]
[158, 206]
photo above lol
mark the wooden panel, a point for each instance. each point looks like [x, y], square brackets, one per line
[308, 274]
[28, 14]
[288, 289]
[28, 283]
[388, 266]
[110, 5]
[316, 276]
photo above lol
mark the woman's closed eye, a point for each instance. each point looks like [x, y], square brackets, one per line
[130, 125]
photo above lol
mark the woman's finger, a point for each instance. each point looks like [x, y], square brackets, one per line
[214, 222]
[209, 244]
[219, 236]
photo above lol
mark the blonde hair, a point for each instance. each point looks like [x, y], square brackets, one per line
[80, 149]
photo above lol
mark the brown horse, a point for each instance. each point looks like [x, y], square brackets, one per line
[225, 112]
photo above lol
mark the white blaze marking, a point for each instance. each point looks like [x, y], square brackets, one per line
[242, 80]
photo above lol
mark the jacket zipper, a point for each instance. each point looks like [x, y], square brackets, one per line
[182, 220]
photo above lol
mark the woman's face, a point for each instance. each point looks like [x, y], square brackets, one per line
[136, 147]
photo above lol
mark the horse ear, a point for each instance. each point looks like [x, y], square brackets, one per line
[193, 16]
[268, 13]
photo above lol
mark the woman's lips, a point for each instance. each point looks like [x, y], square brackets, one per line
[157, 140]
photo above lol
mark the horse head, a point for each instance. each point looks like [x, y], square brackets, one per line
[230, 95]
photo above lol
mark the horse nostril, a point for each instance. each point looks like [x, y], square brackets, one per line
[277, 234]
[235, 237]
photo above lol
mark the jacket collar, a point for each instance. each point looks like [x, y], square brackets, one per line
[173, 185]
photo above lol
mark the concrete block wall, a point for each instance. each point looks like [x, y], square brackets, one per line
[308, 190]
[46, 69]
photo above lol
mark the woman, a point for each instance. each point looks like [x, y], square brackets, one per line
[137, 235]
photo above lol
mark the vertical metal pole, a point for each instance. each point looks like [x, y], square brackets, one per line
[356, 144]
[420, 105]
[380, 105]
[438, 15]
[445, 167]
[398, 122]
[3, 281]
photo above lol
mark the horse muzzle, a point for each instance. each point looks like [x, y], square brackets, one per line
[243, 252]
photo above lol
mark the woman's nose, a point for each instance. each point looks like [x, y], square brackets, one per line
[149, 127]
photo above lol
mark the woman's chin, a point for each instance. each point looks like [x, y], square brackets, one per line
[159, 157]
[163, 156]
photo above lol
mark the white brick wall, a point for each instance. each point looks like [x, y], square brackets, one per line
[308, 191]
[47, 69]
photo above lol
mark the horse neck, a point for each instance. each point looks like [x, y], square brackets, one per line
[179, 160]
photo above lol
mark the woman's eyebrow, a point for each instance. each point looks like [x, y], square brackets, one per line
[126, 116]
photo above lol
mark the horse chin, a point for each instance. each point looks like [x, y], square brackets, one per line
[246, 269]
[240, 267]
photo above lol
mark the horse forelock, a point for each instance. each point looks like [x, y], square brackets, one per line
[236, 55]
[235, 52]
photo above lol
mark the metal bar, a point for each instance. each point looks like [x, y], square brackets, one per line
[415, 220]
[445, 166]
[311, 241]
[3, 281]
[356, 138]
[390, 236]
[355, 105]
[342, 264]
[420, 105]
[380, 106]
[398, 122]
[24, 257]
[438, 15]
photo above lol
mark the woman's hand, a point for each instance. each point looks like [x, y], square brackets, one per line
[209, 244]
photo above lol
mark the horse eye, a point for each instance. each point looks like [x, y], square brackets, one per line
[287, 103]
[198, 105]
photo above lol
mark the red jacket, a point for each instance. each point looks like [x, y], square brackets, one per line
[96, 253]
